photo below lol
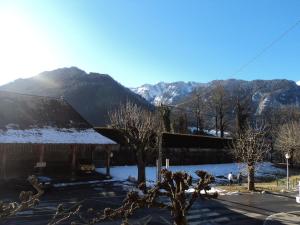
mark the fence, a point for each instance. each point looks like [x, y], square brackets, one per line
[294, 182]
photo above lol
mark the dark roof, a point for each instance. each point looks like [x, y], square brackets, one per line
[21, 111]
[112, 134]
[171, 140]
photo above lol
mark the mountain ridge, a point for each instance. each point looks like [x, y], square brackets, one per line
[93, 95]
[264, 93]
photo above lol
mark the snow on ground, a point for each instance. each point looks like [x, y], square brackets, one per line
[122, 173]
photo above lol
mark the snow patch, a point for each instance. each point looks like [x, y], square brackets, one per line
[59, 185]
[263, 104]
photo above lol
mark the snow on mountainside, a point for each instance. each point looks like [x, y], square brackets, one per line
[166, 93]
[298, 83]
[265, 94]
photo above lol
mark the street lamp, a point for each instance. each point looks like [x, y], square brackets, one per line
[287, 156]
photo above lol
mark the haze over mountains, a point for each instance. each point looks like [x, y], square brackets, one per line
[93, 95]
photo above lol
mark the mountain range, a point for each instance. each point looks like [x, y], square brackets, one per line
[264, 93]
[166, 93]
[93, 95]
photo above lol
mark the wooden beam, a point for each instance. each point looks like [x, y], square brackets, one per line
[41, 156]
[108, 156]
[3, 174]
[73, 158]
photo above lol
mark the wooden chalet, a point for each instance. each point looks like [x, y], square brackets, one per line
[46, 135]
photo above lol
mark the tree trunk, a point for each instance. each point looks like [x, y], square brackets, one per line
[291, 161]
[141, 168]
[251, 181]
[180, 219]
[216, 123]
[141, 173]
[221, 125]
[222, 131]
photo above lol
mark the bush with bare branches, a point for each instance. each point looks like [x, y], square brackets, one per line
[27, 200]
[174, 187]
[288, 141]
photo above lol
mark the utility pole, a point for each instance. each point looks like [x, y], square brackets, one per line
[159, 160]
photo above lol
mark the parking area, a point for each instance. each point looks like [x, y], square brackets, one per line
[246, 208]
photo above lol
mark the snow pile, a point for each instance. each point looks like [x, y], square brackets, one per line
[53, 136]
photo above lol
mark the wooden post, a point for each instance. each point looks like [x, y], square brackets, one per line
[159, 161]
[167, 163]
[108, 152]
[73, 158]
[41, 156]
[3, 163]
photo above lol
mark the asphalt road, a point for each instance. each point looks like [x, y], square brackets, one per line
[239, 209]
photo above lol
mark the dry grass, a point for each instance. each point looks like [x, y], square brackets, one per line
[274, 186]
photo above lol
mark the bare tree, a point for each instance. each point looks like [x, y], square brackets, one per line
[242, 107]
[199, 111]
[251, 147]
[165, 114]
[288, 141]
[219, 105]
[139, 128]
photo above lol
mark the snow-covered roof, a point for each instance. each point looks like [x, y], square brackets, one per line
[51, 135]
[38, 119]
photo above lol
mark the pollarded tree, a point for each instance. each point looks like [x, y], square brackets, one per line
[287, 140]
[139, 127]
[173, 187]
[251, 147]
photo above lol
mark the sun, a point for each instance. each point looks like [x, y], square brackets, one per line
[24, 49]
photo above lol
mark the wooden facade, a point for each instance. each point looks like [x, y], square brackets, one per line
[180, 149]
[21, 160]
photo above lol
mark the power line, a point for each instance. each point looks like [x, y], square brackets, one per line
[269, 46]
[260, 53]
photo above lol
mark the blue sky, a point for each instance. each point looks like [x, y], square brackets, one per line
[141, 41]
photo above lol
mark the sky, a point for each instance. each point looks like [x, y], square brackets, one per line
[141, 41]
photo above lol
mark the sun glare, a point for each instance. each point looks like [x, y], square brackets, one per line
[24, 49]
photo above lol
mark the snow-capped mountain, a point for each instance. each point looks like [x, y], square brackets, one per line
[264, 93]
[298, 83]
[166, 93]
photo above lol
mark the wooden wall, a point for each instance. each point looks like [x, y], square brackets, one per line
[19, 160]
